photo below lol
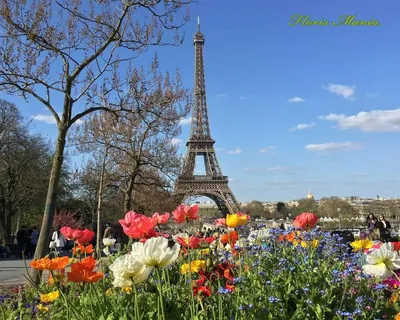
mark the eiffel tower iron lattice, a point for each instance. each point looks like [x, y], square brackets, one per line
[213, 184]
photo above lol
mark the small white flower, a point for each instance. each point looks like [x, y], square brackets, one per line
[155, 252]
[108, 242]
[257, 235]
[381, 262]
[182, 235]
[127, 271]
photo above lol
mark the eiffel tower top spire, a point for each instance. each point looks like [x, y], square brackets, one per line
[200, 129]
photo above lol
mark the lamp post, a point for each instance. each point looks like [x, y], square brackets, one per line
[339, 216]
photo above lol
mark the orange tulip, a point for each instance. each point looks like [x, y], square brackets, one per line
[81, 249]
[50, 264]
[83, 271]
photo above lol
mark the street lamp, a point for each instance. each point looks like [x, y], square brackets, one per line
[339, 216]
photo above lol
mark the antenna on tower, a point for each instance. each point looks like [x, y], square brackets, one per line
[198, 23]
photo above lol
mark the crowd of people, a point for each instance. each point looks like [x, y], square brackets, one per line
[27, 241]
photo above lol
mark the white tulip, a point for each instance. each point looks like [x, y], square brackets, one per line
[381, 262]
[127, 271]
[108, 242]
[155, 252]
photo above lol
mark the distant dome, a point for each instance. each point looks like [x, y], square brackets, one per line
[310, 196]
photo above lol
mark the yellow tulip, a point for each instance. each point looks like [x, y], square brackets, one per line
[43, 308]
[51, 296]
[235, 220]
[195, 266]
[361, 244]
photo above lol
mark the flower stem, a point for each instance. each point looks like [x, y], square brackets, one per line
[160, 293]
[137, 313]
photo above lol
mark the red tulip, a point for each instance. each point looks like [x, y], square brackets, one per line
[193, 242]
[186, 213]
[70, 234]
[161, 219]
[85, 237]
[306, 220]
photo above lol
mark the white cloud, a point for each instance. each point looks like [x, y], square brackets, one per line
[242, 98]
[270, 169]
[219, 149]
[372, 121]
[345, 91]
[279, 168]
[296, 99]
[302, 126]
[48, 118]
[333, 146]
[231, 179]
[184, 121]
[236, 151]
[359, 174]
[176, 141]
[222, 95]
[267, 149]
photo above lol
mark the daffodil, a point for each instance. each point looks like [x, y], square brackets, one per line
[49, 297]
[155, 252]
[361, 245]
[235, 220]
[381, 262]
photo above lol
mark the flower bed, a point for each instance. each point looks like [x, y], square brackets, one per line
[303, 273]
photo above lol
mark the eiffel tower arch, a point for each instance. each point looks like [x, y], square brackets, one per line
[213, 184]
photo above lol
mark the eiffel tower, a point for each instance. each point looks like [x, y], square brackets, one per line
[213, 184]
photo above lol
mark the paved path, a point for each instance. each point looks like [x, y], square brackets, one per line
[12, 271]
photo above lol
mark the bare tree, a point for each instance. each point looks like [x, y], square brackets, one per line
[335, 207]
[95, 137]
[57, 50]
[145, 132]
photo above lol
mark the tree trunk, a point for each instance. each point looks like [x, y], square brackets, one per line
[99, 203]
[128, 196]
[5, 225]
[18, 221]
[51, 198]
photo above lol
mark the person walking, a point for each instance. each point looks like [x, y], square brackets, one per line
[384, 228]
[22, 239]
[372, 227]
[57, 241]
[108, 233]
[34, 240]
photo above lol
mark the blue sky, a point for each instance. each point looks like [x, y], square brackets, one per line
[294, 108]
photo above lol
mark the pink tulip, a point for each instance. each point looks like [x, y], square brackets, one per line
[220, 222]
